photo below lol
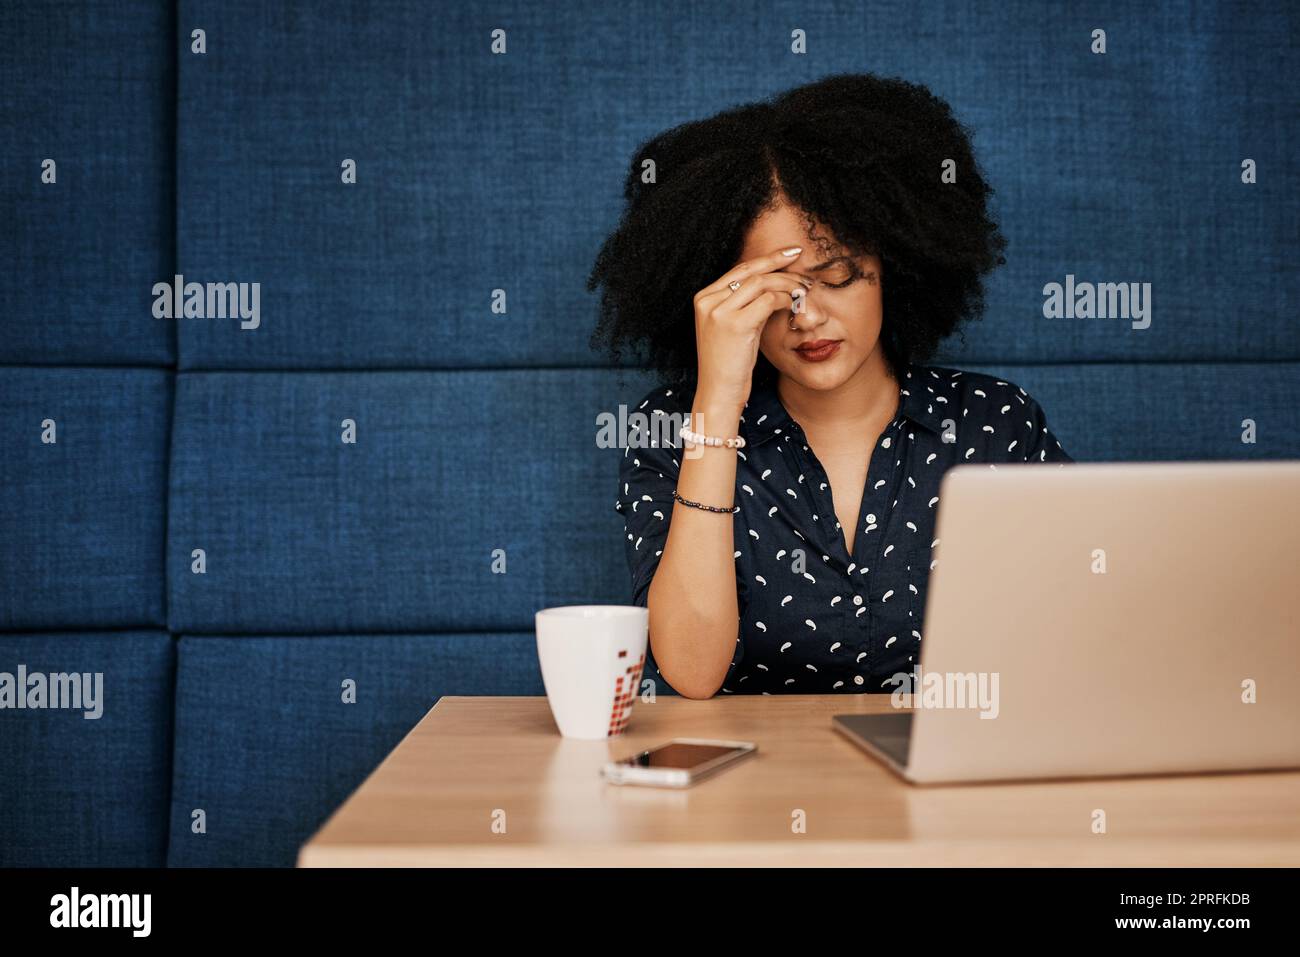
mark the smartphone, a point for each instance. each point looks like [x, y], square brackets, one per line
[678, 764]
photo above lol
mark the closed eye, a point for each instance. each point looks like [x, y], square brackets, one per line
[854, 276]
[840, 285]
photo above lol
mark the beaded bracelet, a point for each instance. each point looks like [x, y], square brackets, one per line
[707, 508]
[697, 438]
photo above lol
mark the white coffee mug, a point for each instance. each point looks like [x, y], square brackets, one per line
[592, 657]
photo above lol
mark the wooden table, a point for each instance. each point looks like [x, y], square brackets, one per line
[489, 781]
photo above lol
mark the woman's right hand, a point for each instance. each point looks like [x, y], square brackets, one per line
[729, 325]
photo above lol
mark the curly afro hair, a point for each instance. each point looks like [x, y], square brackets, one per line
[860, 154]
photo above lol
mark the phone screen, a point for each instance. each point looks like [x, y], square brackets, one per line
[676, 755]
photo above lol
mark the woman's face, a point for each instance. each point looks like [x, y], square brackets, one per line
[843, 305]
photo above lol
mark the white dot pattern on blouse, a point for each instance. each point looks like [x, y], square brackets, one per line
[813, 617]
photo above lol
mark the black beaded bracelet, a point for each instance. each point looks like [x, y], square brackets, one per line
[707, 508]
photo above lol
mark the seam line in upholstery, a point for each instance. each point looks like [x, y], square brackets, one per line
[169, 783]
[386, 633]
[370, 370]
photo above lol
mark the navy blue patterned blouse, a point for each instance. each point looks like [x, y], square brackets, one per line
[814, 618]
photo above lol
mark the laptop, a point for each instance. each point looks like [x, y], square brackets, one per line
[1104, 619]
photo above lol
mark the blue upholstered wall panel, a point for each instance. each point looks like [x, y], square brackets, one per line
[81, 519]
[478, 172]
[92, 87]
[1114, 412]
[303, 533]
[266, 747]
[79, 792]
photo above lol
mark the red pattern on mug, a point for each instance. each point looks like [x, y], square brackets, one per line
[624, 696]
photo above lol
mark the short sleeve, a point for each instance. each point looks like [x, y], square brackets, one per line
[1040, 443]
[647, 477]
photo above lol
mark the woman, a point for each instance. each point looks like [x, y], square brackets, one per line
[786, 267]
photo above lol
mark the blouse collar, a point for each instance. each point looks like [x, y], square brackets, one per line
[765, 418]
